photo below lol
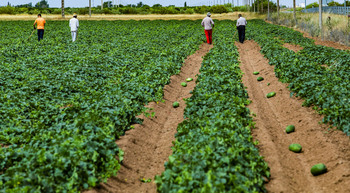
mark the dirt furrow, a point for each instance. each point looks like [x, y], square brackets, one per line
[290, 172]
[148, 146]
[293, 47]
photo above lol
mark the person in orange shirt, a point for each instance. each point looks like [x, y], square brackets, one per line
[40, 22]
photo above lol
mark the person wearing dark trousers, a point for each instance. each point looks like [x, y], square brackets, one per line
[208, 25]
[40, 22]
[241, 23]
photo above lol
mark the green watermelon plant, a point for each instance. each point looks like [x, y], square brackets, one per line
[214, 150]
[325, 88]
[64, 105]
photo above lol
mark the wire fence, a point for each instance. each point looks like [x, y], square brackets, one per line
[335, 10]
[335, 28]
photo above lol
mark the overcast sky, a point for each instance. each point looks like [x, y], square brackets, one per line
[85, 3]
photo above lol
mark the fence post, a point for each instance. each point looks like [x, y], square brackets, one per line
[89, 8]
[62, 8]
[345, 5]
[305, 7]
[320, 17]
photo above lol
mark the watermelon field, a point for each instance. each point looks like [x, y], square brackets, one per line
[97, 115]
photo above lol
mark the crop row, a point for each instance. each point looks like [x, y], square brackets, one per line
[214, 150]
[326, 88]
[64, 104]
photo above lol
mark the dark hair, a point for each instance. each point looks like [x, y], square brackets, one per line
[39, 14]
[239, 15]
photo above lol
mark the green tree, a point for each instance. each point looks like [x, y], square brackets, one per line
[334, 3]
[107, 4]
[263, 7]
[185, 5]
[315, 4]
[29, 5]
[140, 4]
[42, 4]
[218, 9]
[347, 3]
[157, 5]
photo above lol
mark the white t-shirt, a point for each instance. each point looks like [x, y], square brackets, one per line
[207, 23]
[74, 24]
[241, 21]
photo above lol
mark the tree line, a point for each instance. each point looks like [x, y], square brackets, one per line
[260, 6]
[139, 8]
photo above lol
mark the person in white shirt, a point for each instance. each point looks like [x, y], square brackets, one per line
[241, 23]
[208, 25]
[74, 25]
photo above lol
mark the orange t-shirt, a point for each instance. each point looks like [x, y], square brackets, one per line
[40, 23]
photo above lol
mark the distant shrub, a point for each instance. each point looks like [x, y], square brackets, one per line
[97, 10]
[107, 11]
[42, 11]
[202, 9]
[83, 11]
[22, 10]
[56, 11]
[189, 11]
[145, 9]
[242, 8]
[164, 10]
[128, 10]
[116, 11]
[218, 9]
[7, 10]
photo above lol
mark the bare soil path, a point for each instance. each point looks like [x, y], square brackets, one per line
[294, 48]
[148, 146]
[290, 172]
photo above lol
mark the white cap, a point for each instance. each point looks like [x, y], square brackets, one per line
[208, 14]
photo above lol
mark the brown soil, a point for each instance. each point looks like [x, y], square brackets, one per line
[3, 146]
[148, 146]
[290, 172]
[295, 48]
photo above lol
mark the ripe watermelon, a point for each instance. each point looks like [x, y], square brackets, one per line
[271, 94]
[176, 104]
[296, 148]
[318, 169]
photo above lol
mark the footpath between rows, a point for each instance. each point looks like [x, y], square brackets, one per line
[148, 146]
[290, 172]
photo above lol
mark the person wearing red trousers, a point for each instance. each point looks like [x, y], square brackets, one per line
[208, 25]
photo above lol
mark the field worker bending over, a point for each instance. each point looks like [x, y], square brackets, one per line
[74, 24]
[241, 23]
[40, 22]
[208, 25]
